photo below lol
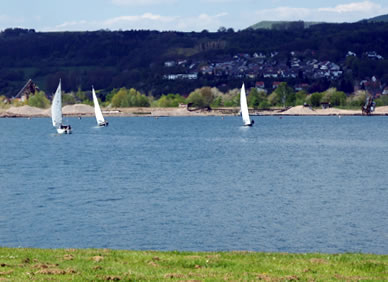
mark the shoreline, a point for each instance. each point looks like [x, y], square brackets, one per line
[81, 110]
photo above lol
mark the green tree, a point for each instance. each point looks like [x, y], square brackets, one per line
[286, 94]
[170, 100]
[201, 98]
[357, 100]
[316, 99]
[232, 98]
[3, 101]
[68, 99]
[129, 98]
[81, 96]
[274, 99]
[217, 102]
[255, 98]
[264, 105]
[338, 98]
[334, 97]
[300, 97]
[382, 101]
[39, 100]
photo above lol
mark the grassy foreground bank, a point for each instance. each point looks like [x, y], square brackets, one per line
[19, 264]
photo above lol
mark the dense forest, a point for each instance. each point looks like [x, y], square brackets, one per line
[136, 59]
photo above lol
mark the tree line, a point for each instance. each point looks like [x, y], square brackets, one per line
[208, 97]
[135, 58]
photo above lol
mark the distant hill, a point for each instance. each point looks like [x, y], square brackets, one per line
[382, 18]
[282, 25]
[144, 59]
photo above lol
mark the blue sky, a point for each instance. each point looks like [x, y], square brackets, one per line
[182, 15]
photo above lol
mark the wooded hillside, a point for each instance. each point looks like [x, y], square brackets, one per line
[113, 59]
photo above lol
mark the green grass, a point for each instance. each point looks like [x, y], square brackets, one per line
[20, 264]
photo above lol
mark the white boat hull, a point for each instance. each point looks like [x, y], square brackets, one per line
[104, 123]
[64, 130]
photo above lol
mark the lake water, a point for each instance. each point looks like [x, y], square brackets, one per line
[296, 184]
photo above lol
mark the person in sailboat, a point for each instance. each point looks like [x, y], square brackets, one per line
[67, 127]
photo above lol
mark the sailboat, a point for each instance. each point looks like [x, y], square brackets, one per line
[97, 110]
[56, 112]
[244, 108]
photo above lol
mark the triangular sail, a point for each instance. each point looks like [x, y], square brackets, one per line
[97, 109]
[244, 106]
[56, 107]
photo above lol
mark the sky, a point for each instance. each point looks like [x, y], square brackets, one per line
[180, 15]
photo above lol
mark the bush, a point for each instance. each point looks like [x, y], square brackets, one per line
[68, 99]
[300, 97]
[382, 101]
[129, 98]
[232, 98]
[316, 99]
[170, 100]
[286, 95]
[39, 100]
[356, 100]
[201, 98]
[255, 98]
[264, 105]
[334, 97]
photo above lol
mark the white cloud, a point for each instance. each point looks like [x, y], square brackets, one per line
[200, 22]
[123, 20]
[70, 25]
[153, 21]
[365, 6]
[146, 21]
[140, 2]
[341, 13]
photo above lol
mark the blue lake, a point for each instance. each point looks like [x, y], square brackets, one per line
[296, 184]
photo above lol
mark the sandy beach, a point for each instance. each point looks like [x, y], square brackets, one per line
[86, 110]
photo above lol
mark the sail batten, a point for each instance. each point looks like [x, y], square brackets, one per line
[244, 106]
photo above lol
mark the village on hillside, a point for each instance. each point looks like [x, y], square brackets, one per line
[270, 67]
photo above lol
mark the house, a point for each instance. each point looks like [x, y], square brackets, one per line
[334, 67]
[385, 91]
[189, 76]
[169, 64]
[373, 55]
[301, 86]
[350, 53]
[275, 84]
[259, 56]
[207, 70]
[260, 85]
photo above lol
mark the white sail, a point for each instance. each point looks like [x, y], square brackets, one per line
[244, 106]
[97, 109]
[56, 108]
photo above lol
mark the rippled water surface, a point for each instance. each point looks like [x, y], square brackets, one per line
[296, 184]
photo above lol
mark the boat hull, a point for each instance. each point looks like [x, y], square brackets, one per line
[105, 123]
[66, 129]
[250, 124]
